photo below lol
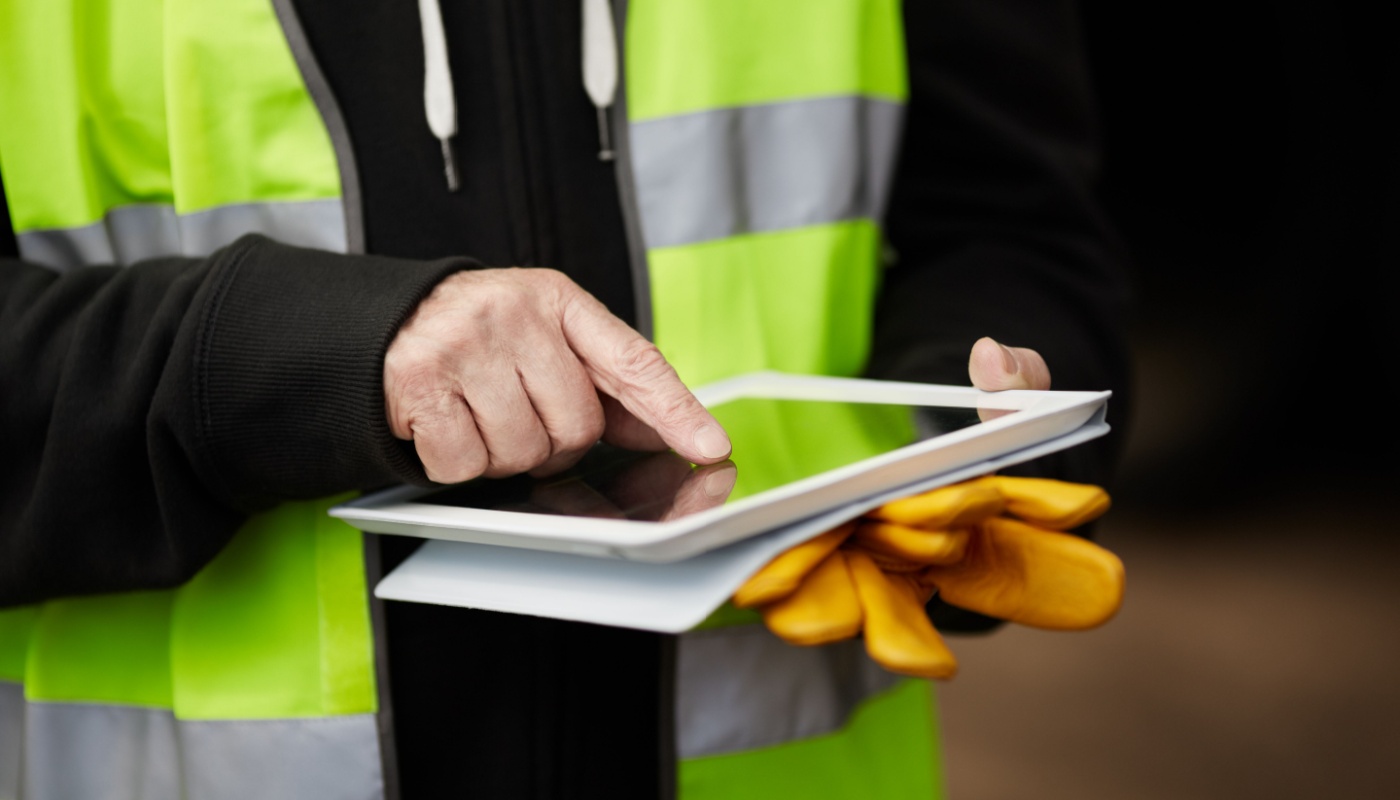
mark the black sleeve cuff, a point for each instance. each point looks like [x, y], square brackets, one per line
[288, 369]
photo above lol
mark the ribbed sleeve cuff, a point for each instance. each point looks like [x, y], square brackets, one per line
[288, 370]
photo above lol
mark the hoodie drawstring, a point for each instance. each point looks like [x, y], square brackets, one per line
[600, 67]
[440, 104]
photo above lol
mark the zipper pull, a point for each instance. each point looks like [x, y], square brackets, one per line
[439, 99]
[605, 148]
[449, 165]
[600, 67]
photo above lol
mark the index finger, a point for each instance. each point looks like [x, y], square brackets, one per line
[629, 368]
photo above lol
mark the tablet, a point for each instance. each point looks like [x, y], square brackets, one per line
[667, 597]
[803, 445]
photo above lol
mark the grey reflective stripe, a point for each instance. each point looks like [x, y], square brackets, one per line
[131, 233]
[11, 738]
[99, 752]
[106, 752]
[714, 174]
[124, 235]
[330, 758]
[742, 688]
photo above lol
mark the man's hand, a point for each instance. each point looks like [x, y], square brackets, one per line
[502, 371]
[994, 367]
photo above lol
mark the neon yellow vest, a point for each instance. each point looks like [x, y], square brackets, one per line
[757, 144]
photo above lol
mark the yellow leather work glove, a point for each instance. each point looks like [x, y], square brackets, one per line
[876, 574]
[898, 633]
[1032, 576]
[783, 574]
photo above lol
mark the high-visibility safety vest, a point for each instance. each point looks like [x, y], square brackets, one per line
[757, 141]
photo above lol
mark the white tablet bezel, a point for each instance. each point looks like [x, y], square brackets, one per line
[1040, 416]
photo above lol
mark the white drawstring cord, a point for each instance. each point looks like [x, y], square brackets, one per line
[600, 67]
[440, 104]
[438, 100]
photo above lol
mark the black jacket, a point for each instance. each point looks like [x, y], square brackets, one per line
[145, 411]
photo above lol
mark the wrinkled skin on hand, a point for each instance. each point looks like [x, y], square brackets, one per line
[503, 371]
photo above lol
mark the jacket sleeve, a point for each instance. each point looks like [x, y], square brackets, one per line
[145, 411]
[993, 221]
[993, 224]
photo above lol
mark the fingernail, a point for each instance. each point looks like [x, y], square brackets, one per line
[720, 483]
[710, 442]
[1008, 360]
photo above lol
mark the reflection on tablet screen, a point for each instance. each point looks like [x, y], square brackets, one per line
[776, 442]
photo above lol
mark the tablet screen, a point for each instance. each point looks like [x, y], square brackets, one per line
[776, 442]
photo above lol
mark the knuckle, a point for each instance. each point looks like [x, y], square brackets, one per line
[558, 290]
[444, 437]
[554, 279]
[641, 364]
[503, 299]
[671, 410]
[431, 409]
[474, 463]
[439, 473]
[550, 275]
[594, 427]
[580, 436]
[418, 380]
[463, 467]
[557, 463]
[520, 458]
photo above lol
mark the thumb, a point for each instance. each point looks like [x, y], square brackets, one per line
[994, 367]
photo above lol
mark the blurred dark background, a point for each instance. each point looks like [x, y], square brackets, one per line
[1250, 163]
[1251, 156]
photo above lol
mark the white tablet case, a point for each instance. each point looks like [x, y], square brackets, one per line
[665, 597]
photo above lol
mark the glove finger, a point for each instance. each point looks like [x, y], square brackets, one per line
[782, 575]
[923, 592]
[914, 544]
[1057, 505]
[892, 564]
[1032, 576]
[955, 506]
[823, 609]
[898, 634]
